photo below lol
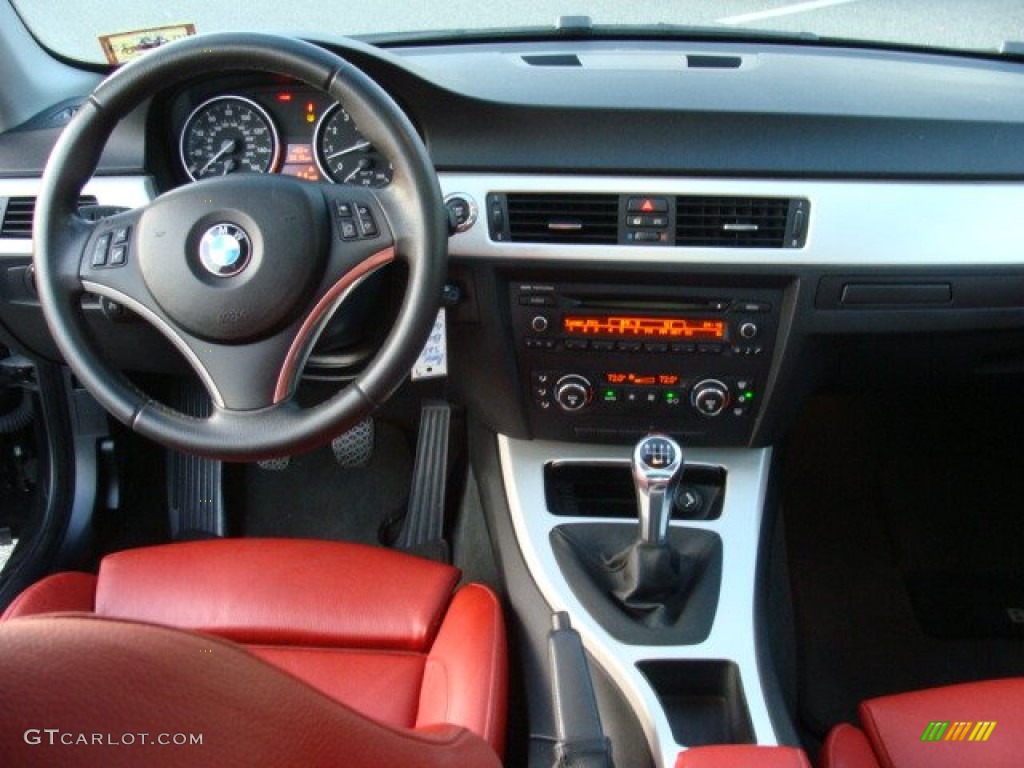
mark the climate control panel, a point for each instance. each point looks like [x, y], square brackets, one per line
[625, 393]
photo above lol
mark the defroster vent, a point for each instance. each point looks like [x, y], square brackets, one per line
[563, 218]
[17, 212]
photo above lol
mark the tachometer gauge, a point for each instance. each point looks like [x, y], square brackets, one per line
[228, 134]
[344, 155]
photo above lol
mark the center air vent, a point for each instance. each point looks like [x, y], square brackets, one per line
[17, 213]
[738, 222]
[563, 218]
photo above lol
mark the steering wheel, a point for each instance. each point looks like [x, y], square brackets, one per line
[241, 272]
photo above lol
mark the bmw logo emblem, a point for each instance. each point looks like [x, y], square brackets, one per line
[224, 250]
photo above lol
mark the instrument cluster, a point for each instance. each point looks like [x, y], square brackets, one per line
[292, 130]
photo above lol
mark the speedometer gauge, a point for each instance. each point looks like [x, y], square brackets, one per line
[228, 134]
[344, 155]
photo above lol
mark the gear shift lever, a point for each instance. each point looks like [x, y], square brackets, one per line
[657, 469]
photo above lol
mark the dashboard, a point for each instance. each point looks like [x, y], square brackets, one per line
[632, 210]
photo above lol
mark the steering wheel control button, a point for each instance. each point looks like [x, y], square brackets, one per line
[367, 225]
[118, 255]
[120, 235]
[348, 230]
[225, 249]
[100, 250]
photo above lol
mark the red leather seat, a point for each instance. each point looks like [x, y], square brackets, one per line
[974, 724]
[384, 633]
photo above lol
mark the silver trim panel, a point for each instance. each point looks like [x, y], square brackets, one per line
[852, 223]
[732, 634]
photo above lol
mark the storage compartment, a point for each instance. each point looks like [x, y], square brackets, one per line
[703, 700]
[606, 490]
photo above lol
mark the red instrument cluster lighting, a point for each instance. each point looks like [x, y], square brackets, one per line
[642, 380]
[284, 96]
[648, 327]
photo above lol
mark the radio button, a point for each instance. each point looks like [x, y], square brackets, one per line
[629, 346]
[709, 349]
[656, 347]
[539, 324]
[574, 344]
[748, 330]
[685, 348]
[537, 301]
[602, 346]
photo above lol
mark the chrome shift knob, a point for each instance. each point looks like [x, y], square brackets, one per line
[657, 469]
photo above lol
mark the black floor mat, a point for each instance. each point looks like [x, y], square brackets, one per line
[954, 605]
[882, 503]
[315, 498]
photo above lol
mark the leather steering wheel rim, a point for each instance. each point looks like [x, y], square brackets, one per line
[410, 209]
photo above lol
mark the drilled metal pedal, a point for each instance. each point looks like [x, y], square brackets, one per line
[354, 448]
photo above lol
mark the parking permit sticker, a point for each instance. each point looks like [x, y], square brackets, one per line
[125, 46]
[433, 360]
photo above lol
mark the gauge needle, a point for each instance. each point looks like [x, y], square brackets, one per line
[227, 146]
[354, 148]
[361, 166]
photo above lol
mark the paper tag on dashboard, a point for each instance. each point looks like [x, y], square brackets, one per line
[433, 360]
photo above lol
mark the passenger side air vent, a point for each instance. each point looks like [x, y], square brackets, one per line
[740, 222]
[562, 218]
[17, 212]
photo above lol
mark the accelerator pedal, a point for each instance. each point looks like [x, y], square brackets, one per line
[423, 529]
[195, 488]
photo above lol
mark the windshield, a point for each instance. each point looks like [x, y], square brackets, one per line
[87, 30]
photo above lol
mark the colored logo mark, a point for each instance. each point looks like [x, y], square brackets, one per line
[958, 731]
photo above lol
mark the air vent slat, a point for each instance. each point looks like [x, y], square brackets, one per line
[17, 221]
[731, 222]
[568, 218]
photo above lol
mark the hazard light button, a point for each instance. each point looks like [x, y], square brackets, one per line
[647, 205]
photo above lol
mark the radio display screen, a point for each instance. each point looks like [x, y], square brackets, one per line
[644, 327]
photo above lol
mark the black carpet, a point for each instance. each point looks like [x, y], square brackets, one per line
[906, 540]
[315, 498]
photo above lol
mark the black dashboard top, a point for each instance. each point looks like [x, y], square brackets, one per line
[663, 108]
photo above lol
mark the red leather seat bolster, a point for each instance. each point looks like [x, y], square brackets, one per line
[465, 681]
[847, 747]
[281, 591]
[194, 685]
[742, 756]
[895, 725]
[60, 592]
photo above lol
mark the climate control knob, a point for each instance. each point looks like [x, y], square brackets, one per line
[709, 397]
[573, 392]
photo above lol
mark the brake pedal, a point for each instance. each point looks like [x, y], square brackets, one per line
[354, 448]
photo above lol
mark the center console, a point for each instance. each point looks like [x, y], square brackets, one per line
[608, 363]
[692, 679]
